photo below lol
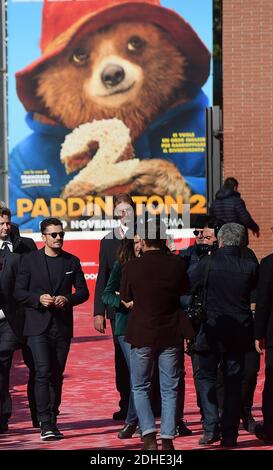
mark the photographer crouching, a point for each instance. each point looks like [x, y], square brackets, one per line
[227, 332]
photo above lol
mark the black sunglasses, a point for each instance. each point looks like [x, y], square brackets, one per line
[54, 234]
[197, 232]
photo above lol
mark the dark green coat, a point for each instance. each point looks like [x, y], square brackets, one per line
[109, 297]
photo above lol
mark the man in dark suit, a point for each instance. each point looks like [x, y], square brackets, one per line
[123, 210]
[227, 334]
[264, 340]
[11, 241]
[11, 330]
[44, 286]
[252, 358]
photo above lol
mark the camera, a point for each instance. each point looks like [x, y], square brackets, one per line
[205, 249]
[196, 312]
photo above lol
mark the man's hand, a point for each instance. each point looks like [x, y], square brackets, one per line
[253, 308]
[128, 305]
[46, 300]
[100, 323]
[60, 301]
[260, 345]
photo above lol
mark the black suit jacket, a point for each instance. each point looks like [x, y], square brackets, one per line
[108, 254]
[264, 306]
[9, 268]
[33, 281]
[21, 245]
[231, 279]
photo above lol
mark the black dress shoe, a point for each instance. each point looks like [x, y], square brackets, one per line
[4, 427]
[127, 432]
[182, 430]
[260, 434]
[207, 439]
[229, 442]
[249, 423]
[47, 433]
[120, 415]
[57, 432]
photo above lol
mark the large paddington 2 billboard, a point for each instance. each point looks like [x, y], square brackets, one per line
[106, 96]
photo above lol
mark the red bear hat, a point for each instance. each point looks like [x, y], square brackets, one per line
[65, 22]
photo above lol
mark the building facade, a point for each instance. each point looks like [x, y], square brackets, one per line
[248, 109]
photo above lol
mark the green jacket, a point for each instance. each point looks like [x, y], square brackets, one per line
[109, 297]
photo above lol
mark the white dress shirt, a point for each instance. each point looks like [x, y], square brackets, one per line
[9, 244]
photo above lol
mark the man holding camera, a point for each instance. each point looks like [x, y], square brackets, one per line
[205, 243]
[191, 256]
[226, 334]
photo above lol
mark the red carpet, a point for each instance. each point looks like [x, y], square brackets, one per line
[89, 400]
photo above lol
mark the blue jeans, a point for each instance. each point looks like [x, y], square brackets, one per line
[169, 370]
[131, 417]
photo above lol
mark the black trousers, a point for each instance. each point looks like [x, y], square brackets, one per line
[249, 382]
[267, 399]
[195, 371]
[181, 389]
[232, 368]
[29, 362]
[49, 351]
[8, 344]
[251, 368]
[122, 373]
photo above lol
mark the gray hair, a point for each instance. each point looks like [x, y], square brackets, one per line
[232, 234]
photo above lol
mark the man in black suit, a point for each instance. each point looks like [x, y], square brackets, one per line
[123, 210]
[264, 340]
[44, 286]
[11, 241]
[11, 329]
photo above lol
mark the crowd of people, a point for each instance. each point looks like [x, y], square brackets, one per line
[212, 301]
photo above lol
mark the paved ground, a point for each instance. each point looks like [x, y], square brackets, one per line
[89, 399]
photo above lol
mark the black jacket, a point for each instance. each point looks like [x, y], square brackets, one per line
[231, 278]
[108, 255]
[264, 307]
[9, 264]
[21, 245]
[228, 206]
[33, 281]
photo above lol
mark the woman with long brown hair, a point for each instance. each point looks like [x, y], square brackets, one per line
[129, 248]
